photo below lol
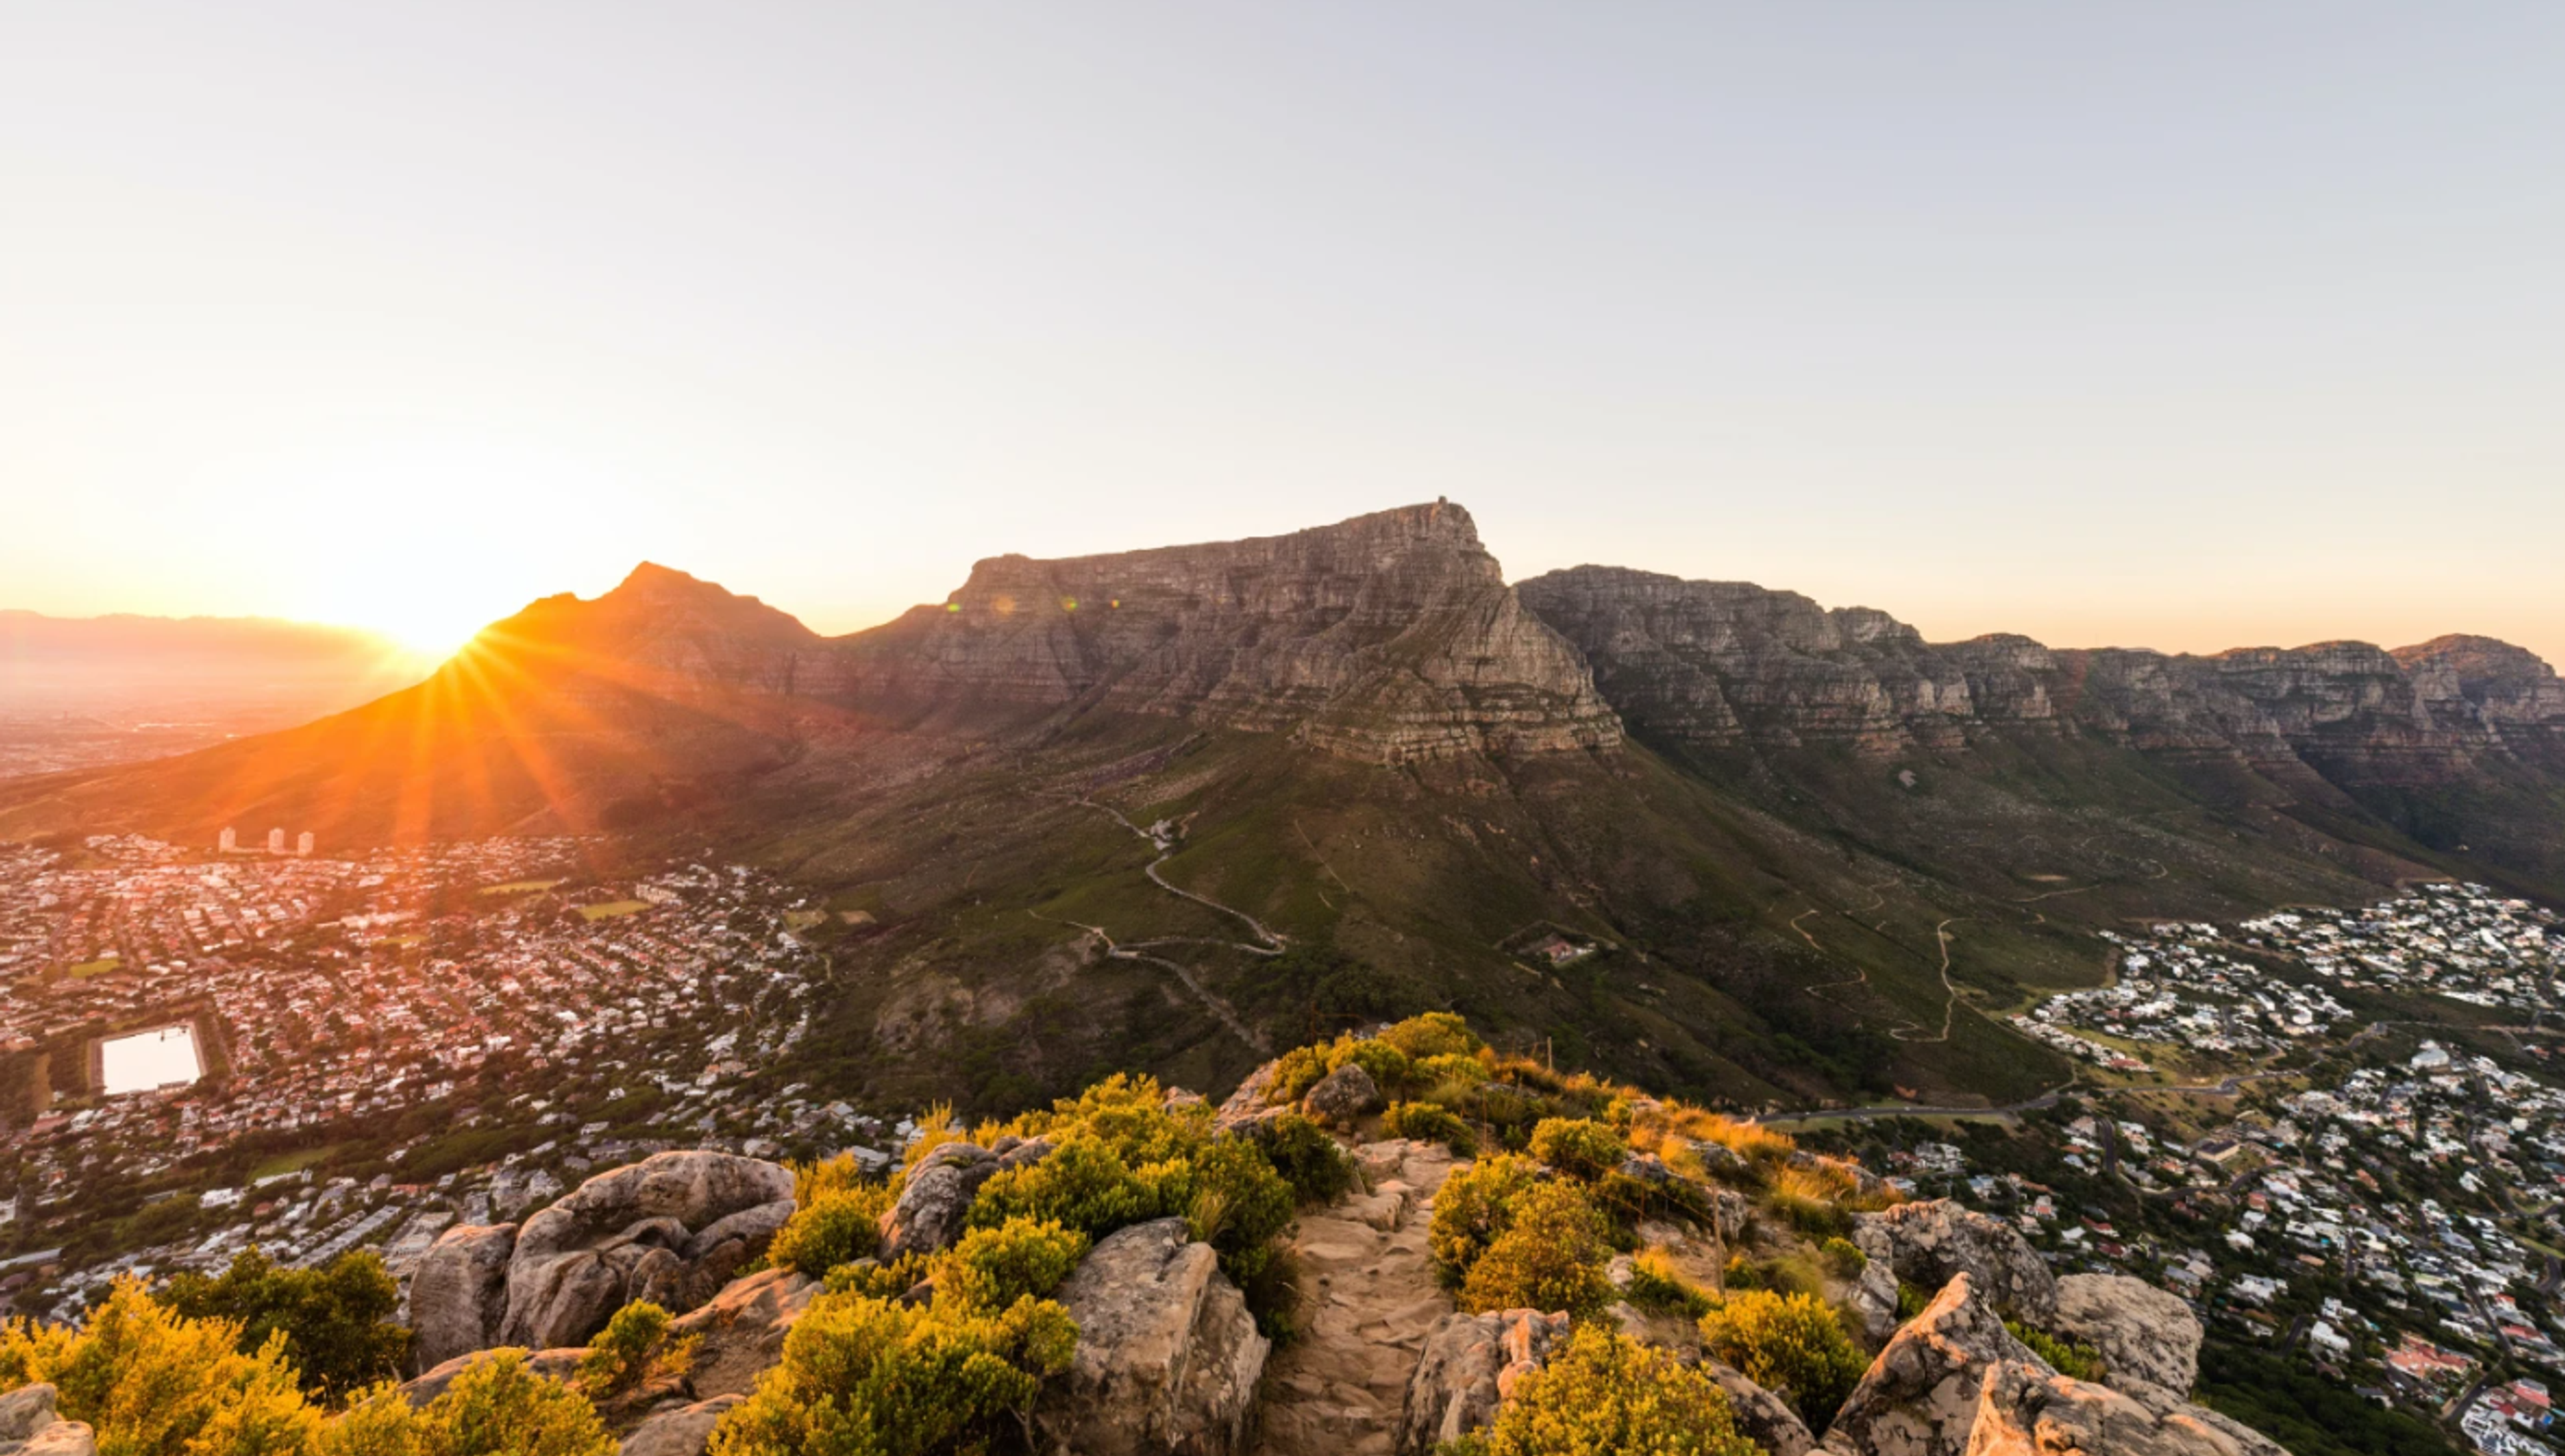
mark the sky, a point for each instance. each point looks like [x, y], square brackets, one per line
[2177, 325]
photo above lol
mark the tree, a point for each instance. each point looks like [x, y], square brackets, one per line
[337, 1319]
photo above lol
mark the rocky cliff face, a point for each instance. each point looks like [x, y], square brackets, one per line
[1723, 663]
[1386, 637]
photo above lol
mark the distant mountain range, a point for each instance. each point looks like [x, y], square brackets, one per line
[82, 664]
[1810, 848]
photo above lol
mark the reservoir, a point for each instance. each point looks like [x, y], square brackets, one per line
[160, 1057]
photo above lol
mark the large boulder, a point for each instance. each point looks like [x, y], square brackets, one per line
[1251, 1106]
[627, 1234]
[1343, 1095]
[739, 1331]
[1167, 1358]
[1761, 1416]
[27, 1410]
[2029, 1410]
[1469, 1366]
[1920, 1397]
[684, 1430]
[2143, 1334]
[62, 1438]
[935, 1199]
[459, 1293]
[1931, 1243]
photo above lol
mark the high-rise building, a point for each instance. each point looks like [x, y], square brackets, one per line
[229, 841]
[302, 847]
[276, 841]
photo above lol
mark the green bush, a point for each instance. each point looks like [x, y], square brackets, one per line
[1608, 1395]
[870, 1377]
[1081, 1184]
[496, 1407]
[337, 1321]
[990, 1269]
[1387, 1066]
[632, 1348]
[1790, 1344]
[1549, 1257]
[2066, 1357]
[1295, 1072]
[1844, 1257]
[876, 1280]
[1308, 1159]
[1910, 1300]
[1238, 1204]
[1579, 1147]
[1430, 1122]
[1434, 1034]
[1656, 1288]
[154, 1382]
[1475, 1205]
[840, 1225]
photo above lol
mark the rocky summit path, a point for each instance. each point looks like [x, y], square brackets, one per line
[1367, 1277]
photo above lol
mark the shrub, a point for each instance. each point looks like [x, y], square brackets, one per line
[1791, 1344]
[1579, 1147]
[498, 1407]
[1308, 1159]
[1388, 1066]
[632, 1348]
[1844, 1257]
[1082, 1184]
[1605, 1395]
[1430, 1122]
[1549, 1257]
[990, 1269]
[151, 1381]
[811, 1179]
[876, 1279]
[1656, 1286]
[1475, 1205]
[1434, 1034]
[840, 1225]
[1295, 1072]
[1805, 1200]
[1451, 1069]
[864, 1375]
[337, 1321]
[1238, 1204]
[2066, 1357]
[1910, 1300]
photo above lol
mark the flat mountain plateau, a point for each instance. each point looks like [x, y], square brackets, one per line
[1172, 809]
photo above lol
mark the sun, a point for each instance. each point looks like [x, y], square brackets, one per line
[434, 631]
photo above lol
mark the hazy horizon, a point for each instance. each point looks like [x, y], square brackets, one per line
[2185, 328]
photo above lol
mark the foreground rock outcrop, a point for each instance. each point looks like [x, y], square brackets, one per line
[1470, 1363]
[2029, 1410]
[1920, 1397]
[2145, 1336]
[1931, 1243]
[30, 1426]
[671, 1229]
[1168, 1358]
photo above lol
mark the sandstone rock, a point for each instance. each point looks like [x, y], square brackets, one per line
[1389, 638]
[1251, 1102]
[1920, 1397]
[2028, 1411]
[1343, 1095]
[62, 1438]
[459, 1293]
[1928, 1243]
[1470, 1365]
[1168, 1357]
[935, 1201]
[1761, 1416]
[2141, 1332]
[26, 1411]
[628, 1230]
[686, 1431]
[740, 1329]
[550, 1364]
